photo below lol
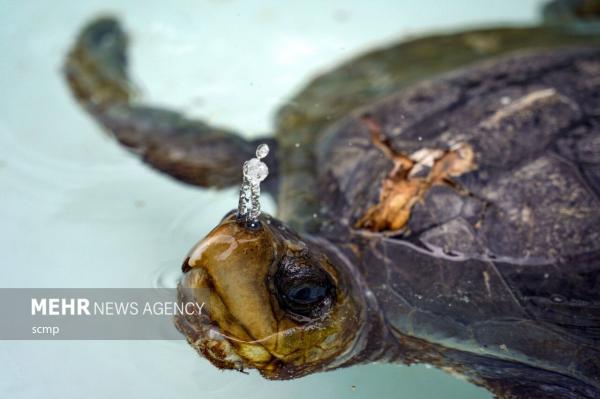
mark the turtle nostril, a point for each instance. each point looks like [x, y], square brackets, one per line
[185, 266]
[229, 214]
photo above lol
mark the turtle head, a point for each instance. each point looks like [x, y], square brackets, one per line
[272, 301]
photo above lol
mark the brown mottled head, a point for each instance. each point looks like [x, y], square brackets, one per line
[273, 301]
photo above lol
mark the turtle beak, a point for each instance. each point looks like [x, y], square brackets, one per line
[202, 333]
[226, 272]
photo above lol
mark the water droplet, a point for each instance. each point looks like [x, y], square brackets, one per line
[255, 170]
[557, 298]
[262, 151]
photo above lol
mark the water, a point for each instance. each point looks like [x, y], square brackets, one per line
[78, 211]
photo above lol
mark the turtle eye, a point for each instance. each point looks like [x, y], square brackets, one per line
[303, 289]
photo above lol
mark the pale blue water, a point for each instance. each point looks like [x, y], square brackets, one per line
[78, 211]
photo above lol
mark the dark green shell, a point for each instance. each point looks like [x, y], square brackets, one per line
[503, 275]
[371, 77]
[504, 263]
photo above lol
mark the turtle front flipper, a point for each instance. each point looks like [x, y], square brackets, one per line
[189, 150]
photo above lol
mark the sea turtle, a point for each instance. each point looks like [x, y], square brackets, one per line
[454, 222]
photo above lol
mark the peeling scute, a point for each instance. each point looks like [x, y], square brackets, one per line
[410, 178]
